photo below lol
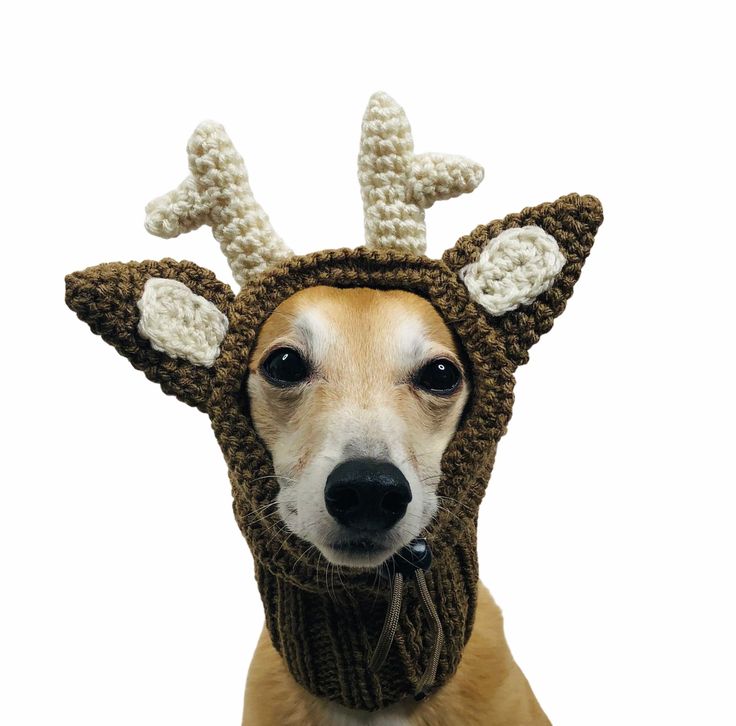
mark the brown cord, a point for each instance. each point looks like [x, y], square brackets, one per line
[430, 674]
[389, 624]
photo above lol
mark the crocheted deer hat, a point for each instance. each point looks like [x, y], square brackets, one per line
[498, 289]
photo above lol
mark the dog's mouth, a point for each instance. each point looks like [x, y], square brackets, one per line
[357, 546]
[359, 551]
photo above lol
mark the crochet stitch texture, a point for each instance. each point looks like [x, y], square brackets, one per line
[326, 638]
[498, 290]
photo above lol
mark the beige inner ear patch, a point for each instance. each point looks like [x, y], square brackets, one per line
[180, 323]
[513, 269]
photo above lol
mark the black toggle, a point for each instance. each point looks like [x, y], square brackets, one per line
[417, 555]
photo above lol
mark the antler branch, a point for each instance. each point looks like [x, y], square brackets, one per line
[397, 185]
[218, 194]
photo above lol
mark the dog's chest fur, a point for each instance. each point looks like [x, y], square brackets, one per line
[336, 715]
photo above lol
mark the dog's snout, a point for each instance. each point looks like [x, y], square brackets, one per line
[366, 494]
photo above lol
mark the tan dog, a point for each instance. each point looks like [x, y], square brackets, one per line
[361, 424]
[363, 375]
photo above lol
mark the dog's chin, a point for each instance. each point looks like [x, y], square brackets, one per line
[357, 552]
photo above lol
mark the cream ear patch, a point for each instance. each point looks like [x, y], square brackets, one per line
[180, 323]
[513, 269]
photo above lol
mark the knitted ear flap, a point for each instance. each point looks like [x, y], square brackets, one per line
[167, 318]
[522, 269]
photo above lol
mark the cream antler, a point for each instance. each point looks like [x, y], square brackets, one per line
[397, 185]
[218, 194]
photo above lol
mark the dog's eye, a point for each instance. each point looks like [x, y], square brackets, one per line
[439, 376]
[285, 367]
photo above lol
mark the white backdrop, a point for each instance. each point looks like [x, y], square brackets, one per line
[607, 533]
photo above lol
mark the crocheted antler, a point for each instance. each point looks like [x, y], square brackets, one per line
[398, 185]
[218, 194]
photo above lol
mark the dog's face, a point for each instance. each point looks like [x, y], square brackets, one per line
[356, 393]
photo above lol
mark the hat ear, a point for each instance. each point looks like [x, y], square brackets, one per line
[167, 318]
[521, 270]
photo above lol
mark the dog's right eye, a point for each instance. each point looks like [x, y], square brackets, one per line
[285, 367]
[440, 377]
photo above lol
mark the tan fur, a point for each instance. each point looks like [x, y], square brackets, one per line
[363, 318]
[488, 687]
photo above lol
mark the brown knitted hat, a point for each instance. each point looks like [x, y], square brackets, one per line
[498, 289]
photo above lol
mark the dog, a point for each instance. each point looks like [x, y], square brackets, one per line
[358, 396]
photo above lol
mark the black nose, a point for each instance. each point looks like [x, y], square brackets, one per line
[367, 494]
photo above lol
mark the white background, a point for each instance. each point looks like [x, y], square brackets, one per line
[607, 534]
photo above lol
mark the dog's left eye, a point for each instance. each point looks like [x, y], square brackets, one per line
[440, 376]
[285, 367]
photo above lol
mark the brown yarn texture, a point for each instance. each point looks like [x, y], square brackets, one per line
[326, 627]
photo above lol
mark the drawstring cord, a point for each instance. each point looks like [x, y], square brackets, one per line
[386, 638]
[411, 561]
[430, 674]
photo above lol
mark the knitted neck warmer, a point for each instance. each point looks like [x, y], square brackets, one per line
[326, 627]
